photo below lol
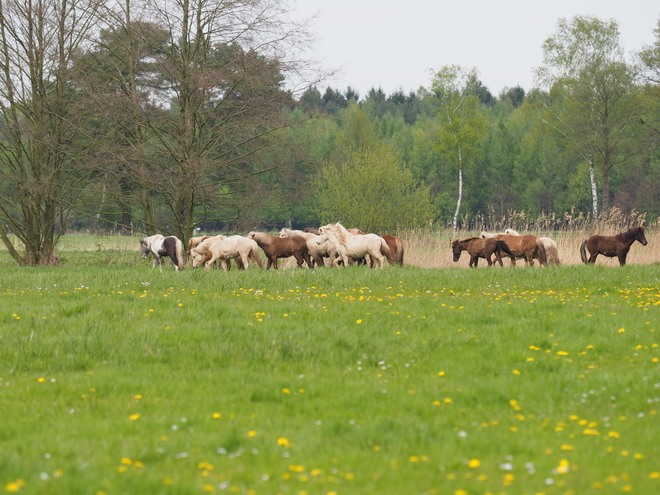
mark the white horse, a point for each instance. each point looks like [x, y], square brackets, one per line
[551, 250]
[316, 251]
[354, 246]
[225, 248]
[160, 246]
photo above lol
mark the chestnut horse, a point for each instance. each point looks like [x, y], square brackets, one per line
[611, 246]
[478, 247]
[527, 247]
[282, 247]
[396, 249]
[316, 252]
[551, 251]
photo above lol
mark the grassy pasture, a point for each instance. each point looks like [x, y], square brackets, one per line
[116, 378]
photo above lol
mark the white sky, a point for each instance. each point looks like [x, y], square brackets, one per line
[395, 44]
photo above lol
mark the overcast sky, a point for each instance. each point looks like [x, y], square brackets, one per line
[395, 44]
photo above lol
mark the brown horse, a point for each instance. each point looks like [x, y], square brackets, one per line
[478, 247]
[527, 247]
[282, 247]
[396, 249]
[611, 246]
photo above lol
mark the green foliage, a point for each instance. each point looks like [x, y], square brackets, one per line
[373, 191]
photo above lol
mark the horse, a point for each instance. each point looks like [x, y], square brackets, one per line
[225, 248]
[611, 246]
[479, 247]
[551, 251]
[526, 246]
[195, 241]
[351, 246]
[316, 251]
[161, 246]
[396, 249]
[282, 247]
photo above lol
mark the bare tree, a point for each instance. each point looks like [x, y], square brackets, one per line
[39, 173]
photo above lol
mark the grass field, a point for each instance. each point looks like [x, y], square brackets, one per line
[116, 378]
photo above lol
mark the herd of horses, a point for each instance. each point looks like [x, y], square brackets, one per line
[346, 246]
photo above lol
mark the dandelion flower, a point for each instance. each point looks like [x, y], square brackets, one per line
[474, 463]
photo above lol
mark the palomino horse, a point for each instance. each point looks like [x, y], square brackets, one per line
[551, 251]
[527, 247]
[282, 247]
[194, 242]
[316, 251]
[611, 246]
[479, 247]
[161, 246]
[354, 246]
[225, 248]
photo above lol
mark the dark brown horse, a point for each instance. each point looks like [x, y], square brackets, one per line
[527, 247]
[612, 245]
[478, 247]
[282, 247]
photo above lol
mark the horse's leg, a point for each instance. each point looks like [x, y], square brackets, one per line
[242, 261]
[592, 257]
[377, 259]
[226, 264]
[622, 258]
[474, 261]
[210, 261]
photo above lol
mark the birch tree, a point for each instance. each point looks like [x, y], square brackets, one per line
[592, 100]
[462, 123]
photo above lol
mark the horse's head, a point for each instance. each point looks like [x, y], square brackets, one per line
[146, 248]
[285, 232]
[197, 257]
[456, 249]
[323, 237]
[640, 236]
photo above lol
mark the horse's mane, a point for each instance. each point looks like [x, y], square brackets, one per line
[630, 233]
[339, 230]
[264, 238]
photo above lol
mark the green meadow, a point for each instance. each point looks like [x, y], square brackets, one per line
[116, 378]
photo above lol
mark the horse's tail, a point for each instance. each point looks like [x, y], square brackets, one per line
[399, 251]
[552, 253]
[254, 255]
[385, 250]
[179, 254]
[540, 252]
[583, 251]
[503, 246]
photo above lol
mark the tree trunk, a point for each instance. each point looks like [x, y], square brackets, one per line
[460, 193]
[594, 190]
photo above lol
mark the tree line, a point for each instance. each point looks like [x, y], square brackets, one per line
[151, 117]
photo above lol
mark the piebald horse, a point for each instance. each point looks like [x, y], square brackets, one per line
[160, 246]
